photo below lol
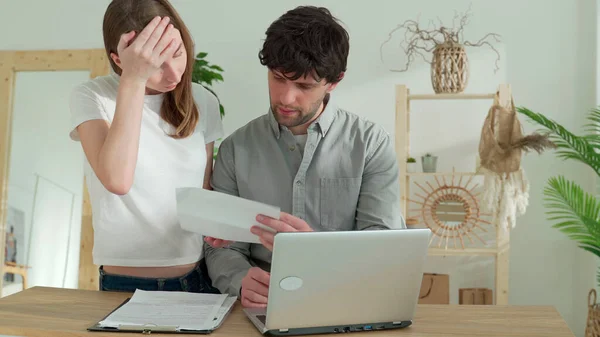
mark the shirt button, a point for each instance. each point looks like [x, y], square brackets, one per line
[292, 148]
[298, 182]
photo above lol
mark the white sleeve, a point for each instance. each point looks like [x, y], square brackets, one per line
[210, 114]
[85, 105]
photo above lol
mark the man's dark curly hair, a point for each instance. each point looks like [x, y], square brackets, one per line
[304, 39]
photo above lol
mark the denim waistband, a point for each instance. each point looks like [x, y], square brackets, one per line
[176, 278]
[193, 281]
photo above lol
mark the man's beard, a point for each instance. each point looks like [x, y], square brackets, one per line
[300, 118]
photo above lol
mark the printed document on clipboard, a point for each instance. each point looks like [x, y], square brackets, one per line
[168, 312]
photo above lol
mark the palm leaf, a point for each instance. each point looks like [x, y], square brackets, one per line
[593, 139]
[593, 127]
[573, 211]
[568, 144]
[576, 212]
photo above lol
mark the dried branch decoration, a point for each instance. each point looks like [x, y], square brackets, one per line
[420, 41]
[449, 63]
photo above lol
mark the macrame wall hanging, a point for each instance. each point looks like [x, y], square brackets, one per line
[505, 186]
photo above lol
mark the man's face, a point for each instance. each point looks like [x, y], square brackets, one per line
[295, 103]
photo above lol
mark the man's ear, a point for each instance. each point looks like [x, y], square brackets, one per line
[116, 59]
[333, 85]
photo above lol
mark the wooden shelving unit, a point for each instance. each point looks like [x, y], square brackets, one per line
[500, 249]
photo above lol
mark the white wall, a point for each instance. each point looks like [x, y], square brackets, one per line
[548, 57]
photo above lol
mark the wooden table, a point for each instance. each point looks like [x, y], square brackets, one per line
[51, 312]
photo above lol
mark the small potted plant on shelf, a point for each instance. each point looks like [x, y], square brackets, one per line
[429, 163]
[411, 165]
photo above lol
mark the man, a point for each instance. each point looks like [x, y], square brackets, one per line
[326, 168]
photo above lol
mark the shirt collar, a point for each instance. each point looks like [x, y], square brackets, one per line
[324, 121]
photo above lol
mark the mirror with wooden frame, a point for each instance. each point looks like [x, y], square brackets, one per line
[45, 214]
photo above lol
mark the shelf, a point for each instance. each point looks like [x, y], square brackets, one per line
[499, 251]
[462, 252]
[450, 96]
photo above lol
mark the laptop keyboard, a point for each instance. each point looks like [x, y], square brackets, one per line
[262, 318]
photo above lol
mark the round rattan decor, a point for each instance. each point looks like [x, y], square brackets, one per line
[451, 211]
[449, 68]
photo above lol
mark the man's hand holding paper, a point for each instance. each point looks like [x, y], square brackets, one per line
[285, 223]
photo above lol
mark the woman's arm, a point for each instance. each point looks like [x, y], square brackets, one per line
[112, 151]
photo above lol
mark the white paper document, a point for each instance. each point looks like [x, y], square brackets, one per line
[171, 311]
[220, 215]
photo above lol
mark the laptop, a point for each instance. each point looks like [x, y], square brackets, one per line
[343, 281]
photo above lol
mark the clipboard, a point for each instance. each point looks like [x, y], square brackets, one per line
[148, 328]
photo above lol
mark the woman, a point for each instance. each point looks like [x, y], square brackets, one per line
[146, 130]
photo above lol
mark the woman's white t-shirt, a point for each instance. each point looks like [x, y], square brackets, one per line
[141, 228]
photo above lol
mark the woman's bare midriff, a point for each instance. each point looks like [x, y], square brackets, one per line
[151, 272]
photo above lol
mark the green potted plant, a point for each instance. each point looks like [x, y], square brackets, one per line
[574, 211]
[429, 163]
[206, 74]
[411, 165]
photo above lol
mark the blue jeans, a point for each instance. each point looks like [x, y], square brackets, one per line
[195, 281]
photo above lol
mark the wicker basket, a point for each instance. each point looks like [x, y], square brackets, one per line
[449, 68]
[592, 328]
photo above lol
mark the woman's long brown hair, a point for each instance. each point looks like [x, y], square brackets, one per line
[122, 16]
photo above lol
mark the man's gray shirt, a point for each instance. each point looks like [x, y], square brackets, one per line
[346, 179]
